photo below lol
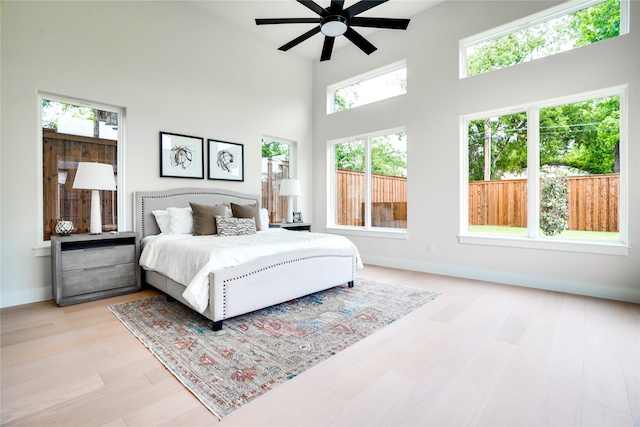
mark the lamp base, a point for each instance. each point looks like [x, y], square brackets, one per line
[290, 210]
[96, 217]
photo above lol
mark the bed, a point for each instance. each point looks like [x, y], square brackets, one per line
[314, 262]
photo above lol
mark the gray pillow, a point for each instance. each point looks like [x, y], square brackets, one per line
[235, 226]
[204, 218]
[246, 211]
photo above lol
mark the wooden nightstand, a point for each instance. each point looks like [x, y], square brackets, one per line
[294, 226]
[86, 267]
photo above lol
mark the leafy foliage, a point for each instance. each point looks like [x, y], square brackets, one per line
[590, 25]
[596, 23]
[273, 149]
[553, 205]
[387, 158]
[346, 97]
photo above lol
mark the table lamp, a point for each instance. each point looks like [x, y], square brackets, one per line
[95, 177]
[290, 187]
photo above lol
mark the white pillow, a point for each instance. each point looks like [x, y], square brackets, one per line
[163, 219]
[264, 219]
[181, 220]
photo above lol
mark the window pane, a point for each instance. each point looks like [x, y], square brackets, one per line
[73, 134]
[389, 181]
[497, 148]
[579, 169]
[370, 89]
[567, 32]
[275, 167]
[350, 182]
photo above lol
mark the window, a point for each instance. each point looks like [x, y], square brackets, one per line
[72, 132]
[559, 29]
[374, 86]
[370, 181]
[276, 166]
[548, 172]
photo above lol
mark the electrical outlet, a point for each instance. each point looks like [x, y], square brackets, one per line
[429, 248]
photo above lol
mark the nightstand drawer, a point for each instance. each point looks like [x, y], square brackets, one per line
[90, 280]
[91, 257]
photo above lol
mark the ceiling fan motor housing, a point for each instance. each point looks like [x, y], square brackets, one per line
[336, 21]
[334, 25]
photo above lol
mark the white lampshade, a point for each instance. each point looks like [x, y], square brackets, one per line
[290, 187]
[95, 177]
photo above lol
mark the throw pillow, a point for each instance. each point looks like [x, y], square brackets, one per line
[181, 220]
[246, 211]
[204, 218]
[264, 219]
[163, 219]
[235, 226]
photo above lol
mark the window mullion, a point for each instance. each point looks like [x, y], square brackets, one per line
[367, 184]
[533, 175]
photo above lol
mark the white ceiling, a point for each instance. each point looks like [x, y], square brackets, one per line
[244, 13]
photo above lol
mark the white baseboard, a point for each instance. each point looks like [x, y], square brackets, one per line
[27, 296]
[508, 278]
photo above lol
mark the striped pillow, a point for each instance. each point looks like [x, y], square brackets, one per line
[235, 226]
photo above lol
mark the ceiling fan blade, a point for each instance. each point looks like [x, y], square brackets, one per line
[313, 6]
[267, 21]
[336, 7]
[362, 6]
[300, 39]
[390, 23]
[327, 48]
[360, 41]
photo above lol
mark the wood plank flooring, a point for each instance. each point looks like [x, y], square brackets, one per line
[482, 354]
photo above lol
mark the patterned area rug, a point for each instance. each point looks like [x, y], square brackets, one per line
[256, 352]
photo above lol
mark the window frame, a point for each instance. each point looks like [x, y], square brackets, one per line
[531, 21]
[395, 66]
[367, 230]
[533, 239]
[42, 246]
[293, 152]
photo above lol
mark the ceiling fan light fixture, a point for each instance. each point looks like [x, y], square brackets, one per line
[333, 26]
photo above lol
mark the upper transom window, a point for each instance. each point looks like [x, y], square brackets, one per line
[559, 29]
[376, 85]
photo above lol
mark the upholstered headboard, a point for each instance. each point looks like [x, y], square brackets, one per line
[145, 202]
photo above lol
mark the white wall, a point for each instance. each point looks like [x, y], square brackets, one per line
[173, 66]
[431, 110]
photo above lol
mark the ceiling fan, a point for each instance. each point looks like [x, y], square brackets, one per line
[335, 21]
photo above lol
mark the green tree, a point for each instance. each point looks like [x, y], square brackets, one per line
[386, 157]
[273, 149]
[508, 149]
[596, 23]
[346, 97]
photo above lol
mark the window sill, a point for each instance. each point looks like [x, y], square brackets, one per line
[387, 233]
[593, 247]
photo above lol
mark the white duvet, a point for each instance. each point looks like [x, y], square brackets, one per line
[189, 259]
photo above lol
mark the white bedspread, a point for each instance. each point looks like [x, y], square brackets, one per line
[189, 259]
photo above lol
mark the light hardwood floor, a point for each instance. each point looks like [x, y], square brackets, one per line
[481, 354]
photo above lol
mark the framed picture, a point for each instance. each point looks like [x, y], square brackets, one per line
[297, 217]
[181, 156]
[226, 160]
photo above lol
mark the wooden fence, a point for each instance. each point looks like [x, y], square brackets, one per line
[388, 198]
[272, 173]
[592, 202]
[61, 154]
